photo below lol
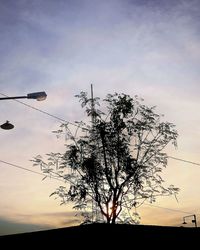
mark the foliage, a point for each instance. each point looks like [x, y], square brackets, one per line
[116, 162]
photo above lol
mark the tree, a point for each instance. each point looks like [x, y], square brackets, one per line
[116, 162]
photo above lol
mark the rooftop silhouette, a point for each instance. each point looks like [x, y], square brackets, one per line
[99, 235]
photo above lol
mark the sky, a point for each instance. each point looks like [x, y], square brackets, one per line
[148, 48]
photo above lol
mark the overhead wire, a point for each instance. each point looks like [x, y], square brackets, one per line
[42, 111]
[78, 126]
[170, 209]
[35, 172]
[29, 170]
[65, 121]
[186, 161]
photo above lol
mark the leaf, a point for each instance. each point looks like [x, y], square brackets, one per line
[44, 178]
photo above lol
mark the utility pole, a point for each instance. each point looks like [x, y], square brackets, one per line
[193, 221]
[92, 120]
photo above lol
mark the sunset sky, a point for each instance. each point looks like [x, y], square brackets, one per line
[149, 48]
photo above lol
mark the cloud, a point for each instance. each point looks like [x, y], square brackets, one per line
[19, 223]
[12, 227]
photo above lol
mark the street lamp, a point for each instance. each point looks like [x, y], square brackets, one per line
[193, 221]
[39, 96]
[7, 125]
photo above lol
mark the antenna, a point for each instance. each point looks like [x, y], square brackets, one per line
[93, 120]
[92, 106]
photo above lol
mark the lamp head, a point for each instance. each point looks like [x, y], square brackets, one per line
[39, 96]
[7, 125]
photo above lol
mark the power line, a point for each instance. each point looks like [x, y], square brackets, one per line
[178, 159]
[170, 209]
[44, 112]
[35, 172]
[65, 121]
[29, 170]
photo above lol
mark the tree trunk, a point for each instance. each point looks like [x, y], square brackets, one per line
[114, 211]
[108, 219]
[114, 219]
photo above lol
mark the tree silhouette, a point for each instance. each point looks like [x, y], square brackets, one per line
[115, 163]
